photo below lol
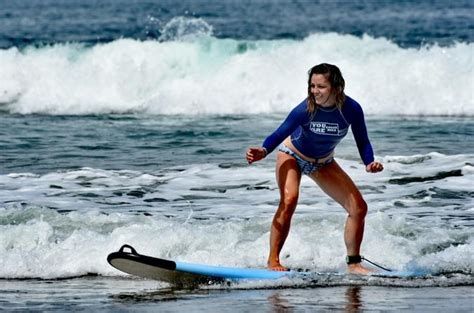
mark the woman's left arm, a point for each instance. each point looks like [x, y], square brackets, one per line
[359, 130]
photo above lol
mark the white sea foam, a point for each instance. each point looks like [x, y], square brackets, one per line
[65, 223]
[53, 245]
[206, 75]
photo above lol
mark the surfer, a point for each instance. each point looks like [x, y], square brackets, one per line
[306, 140]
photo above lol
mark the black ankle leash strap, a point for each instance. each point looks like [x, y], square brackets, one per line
[352, 259]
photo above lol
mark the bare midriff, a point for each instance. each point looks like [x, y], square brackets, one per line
[287, 142]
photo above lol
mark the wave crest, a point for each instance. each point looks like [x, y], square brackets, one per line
[194, 73]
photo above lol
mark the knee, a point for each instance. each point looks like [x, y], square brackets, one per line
[288, 204]
[358, 209]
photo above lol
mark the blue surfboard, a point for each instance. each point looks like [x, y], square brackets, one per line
[136, 264]
[128, 260]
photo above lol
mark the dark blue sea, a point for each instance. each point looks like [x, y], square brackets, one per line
[127, 122]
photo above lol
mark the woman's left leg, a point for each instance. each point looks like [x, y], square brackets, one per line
[339, 186]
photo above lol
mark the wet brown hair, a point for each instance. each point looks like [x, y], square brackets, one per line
[334, 76]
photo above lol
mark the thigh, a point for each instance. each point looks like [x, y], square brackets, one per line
[337, 184]
[288, 175]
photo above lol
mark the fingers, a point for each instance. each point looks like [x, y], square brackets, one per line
[378, 167]
[254, 154]
[249, 156]
[374, 167]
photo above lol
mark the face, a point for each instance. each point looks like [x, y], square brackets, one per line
[321, 90]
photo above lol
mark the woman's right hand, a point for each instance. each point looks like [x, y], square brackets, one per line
[255, 154]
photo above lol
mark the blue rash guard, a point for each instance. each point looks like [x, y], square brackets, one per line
[318, 134]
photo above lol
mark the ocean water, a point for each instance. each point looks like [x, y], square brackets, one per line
[127, 122]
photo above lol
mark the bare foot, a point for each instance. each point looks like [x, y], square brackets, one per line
[276, 266]
[358, 269]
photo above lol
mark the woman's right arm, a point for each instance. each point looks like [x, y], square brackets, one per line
[297, 117]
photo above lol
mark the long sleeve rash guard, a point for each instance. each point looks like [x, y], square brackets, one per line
[316, 135]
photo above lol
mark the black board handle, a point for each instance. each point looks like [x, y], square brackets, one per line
[133, 251]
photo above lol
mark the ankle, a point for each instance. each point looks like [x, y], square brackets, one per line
[353, 259]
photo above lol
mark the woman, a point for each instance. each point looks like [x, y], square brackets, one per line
[308, 137]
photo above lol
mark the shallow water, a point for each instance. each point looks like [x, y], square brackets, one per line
[117, 295]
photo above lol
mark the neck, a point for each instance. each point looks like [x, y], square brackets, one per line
[330, 102]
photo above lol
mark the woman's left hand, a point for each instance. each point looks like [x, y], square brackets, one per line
[374, 167]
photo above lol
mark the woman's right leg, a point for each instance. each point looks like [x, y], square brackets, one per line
[288, 178]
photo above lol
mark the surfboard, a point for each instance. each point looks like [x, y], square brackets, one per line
[136, 264]
[128, 260]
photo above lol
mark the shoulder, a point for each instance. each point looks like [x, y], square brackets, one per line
[352, 109]
[301, 110]
[351, 105]
[302, 107]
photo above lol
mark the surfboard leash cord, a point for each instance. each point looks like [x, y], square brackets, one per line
[377, 265]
